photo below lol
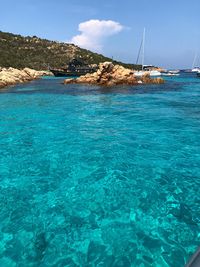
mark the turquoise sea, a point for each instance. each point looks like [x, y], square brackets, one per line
[99, 177]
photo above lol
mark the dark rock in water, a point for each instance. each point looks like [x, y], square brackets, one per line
[108, 261]
[151, 243]
[77, 221]
[96, 253]
[174, 257]
[148, 241]
[13, 248]
[183, 213]
[92, 221]
[68, 262]
[122, 262]
[148, 259]
[12, 227]
[18, 214]
[40, 245]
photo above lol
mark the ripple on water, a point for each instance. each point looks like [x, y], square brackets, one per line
[99, 177]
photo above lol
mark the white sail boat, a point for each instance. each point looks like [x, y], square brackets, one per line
[142, 72]
[195, 69]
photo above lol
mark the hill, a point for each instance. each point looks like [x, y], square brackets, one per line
[33, 52]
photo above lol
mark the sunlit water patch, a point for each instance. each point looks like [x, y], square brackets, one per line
[94, 176]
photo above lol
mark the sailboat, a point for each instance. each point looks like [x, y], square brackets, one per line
[152, 73]
[195, 69]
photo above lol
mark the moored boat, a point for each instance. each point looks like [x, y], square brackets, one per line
[166, 73]
[154, 73]
[146, 69]
[74, 68]
[174, 71]
[196, 69]
[151, 73]
[68, 73]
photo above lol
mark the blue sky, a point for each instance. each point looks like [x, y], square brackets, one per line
[172, 27]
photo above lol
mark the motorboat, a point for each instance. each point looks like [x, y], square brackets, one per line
[74, 68]
[196, 69]
[154, 73]
[174, 71]
[169, 73]
[151, 73]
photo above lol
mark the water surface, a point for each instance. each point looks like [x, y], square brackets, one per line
[94, 176]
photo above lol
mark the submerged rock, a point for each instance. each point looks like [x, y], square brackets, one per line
[110, 75]
[121, 262]
[12, 76]
[40, 244]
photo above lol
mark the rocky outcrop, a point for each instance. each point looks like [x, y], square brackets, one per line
[110, 75]
[11, 76]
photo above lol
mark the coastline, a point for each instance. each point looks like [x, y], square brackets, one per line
[12, 76]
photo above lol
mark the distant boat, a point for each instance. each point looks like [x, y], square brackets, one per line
[141, 49]
[68, 73]
[151, 73]
[174, 71]
[169, 74]
[74, 68]
[146, 69]
[154, 73]
[195, 69]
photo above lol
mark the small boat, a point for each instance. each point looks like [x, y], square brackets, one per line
[174, 71]
[154, 73]
[196, 69]
[198, 73]
[140, 73]
[169, 74]
[151, 73]
[68, 73]
[74, 68]
[146, 69]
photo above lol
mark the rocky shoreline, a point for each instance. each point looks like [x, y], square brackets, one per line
[111, 75]
[12, 76]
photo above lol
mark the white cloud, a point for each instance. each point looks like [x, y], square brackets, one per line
[94, 32]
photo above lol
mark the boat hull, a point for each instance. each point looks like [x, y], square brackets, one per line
[152, 73]
[63, 73]
[195, 260]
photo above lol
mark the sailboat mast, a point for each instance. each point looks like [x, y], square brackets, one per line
[143, 47]
[194, 61]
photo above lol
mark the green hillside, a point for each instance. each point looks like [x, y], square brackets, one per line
[33, 52]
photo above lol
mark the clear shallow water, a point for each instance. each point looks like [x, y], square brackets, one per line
[99, 177]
